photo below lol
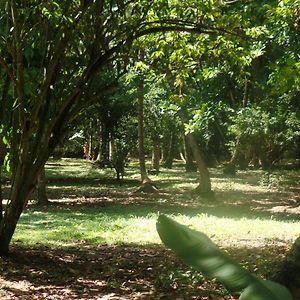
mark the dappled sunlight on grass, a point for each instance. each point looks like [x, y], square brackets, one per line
[99, 236]
[112, 225]
[93, 209]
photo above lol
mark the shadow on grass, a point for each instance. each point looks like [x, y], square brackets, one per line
[117, 272]
[232, 204]
[102, 181]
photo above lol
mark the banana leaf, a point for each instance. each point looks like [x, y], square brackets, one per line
[197, 250]
[265, 290]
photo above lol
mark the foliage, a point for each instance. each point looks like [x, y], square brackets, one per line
[59, 58]
[265, 135]
[197, 250]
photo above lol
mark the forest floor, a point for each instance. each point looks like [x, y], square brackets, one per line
[97, 239]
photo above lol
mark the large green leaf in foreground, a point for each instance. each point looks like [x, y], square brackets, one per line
[198, 251]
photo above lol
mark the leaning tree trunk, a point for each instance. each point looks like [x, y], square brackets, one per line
[204, 187]
[42, 198]
[189, 162]
[289, 274]
[22, 186]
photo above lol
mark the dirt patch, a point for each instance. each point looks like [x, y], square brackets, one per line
[116, 272]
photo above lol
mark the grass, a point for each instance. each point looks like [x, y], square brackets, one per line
[102, 212]
[97, 239]
[97, 226]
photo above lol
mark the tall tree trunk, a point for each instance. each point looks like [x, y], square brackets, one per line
[141, 133]
[155, 154]
[1, 197]
[42, 198]
[204, 186]
[245, 96]
[189, 162]
[289, 274]
[99, 140]
[170, 151]
[90, 146]
[104, 141]
[238, 157]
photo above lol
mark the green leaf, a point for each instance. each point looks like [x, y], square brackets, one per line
[265, 290]
[6, 162]
[197, 250]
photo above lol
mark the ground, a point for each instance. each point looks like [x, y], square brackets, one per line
[82, 245]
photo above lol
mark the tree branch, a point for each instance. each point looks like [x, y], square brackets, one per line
[7, 70]
[169, 25]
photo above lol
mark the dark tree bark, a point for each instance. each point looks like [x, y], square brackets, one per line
[238, 157]
[90, 142]
[289, 274]
[21, 188]
[156, 154]
[189, 162]
[104, 141]
[42, 198]
[1, 197]
[170, 151]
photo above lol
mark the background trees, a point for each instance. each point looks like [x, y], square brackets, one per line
[218, 64]
[56, 59]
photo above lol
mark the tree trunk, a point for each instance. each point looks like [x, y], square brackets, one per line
[189, 162]
[1, 198]
[245, 96]
[141, 133]
[289, 274]
[238, 157]
[104, 142]
[155, 154]
[204, 186]
[170, 151]
[42, 198]
[90, 147]
[2, 155]
[21, 189]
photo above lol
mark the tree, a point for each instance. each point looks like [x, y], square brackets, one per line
[59, 57]
[42, 198]
[288, 275]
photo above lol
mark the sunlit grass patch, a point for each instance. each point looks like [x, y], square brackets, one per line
[92, 208]
[76, 168]
[100, 226]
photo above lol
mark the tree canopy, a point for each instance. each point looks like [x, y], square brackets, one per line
[58, 58]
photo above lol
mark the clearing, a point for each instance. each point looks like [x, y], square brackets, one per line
[97, 239]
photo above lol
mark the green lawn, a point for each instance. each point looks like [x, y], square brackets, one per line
[98, 238]
[89, 207]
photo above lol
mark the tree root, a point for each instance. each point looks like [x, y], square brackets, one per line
[147, 186]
